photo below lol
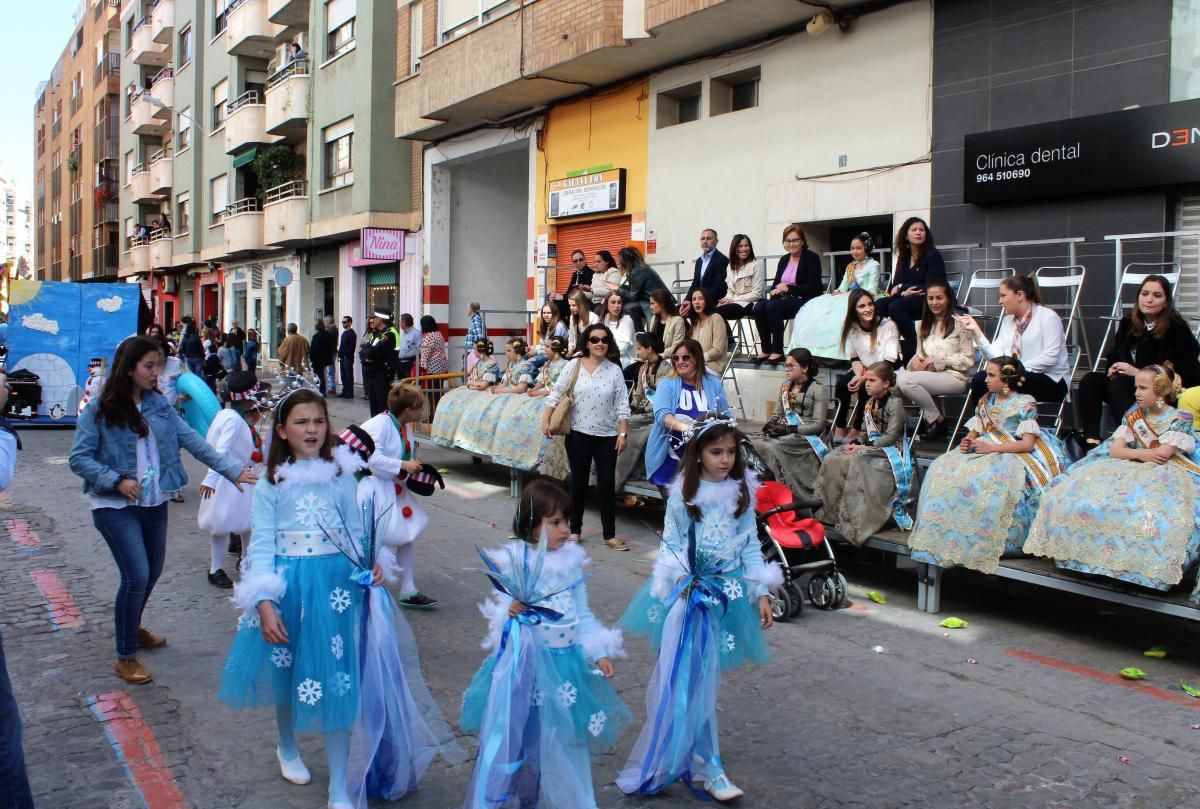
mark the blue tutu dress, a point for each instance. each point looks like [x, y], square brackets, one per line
[538, 707]
[702, 621]
[291, 562]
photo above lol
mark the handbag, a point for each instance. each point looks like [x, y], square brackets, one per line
[560, 418]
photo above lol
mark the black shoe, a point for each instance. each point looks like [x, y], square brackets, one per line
[418, 601]
[933, 431]
[235, 544]
[219, 579]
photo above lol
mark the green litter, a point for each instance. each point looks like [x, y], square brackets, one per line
[1131, 673]
[1187, 689]
[1156, 651]
[443, 471]
[953, 623]
[876, 596]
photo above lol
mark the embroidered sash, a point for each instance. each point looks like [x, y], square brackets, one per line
[793, 418]
[901, 468]
[1041, 464]
[1148, 439]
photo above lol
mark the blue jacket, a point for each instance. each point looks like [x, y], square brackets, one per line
[103, 454]
[666, 395]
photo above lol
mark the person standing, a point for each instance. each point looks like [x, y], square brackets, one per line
[378, 355]
[410, 344]
[347, 343]
[236, 338]
[320, 354]
[294, 350]
[710, 271]
[126, 449]
[192, 348]
[331, 369]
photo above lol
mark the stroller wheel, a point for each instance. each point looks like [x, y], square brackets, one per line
[781, 604]
[797, 596]
[827, 591]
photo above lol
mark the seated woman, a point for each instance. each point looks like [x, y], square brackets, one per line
[945, 356]
[918, 263]
[456, 405]
[868, 339]
[745, 279]
[1028, 331]
[554, 350]
[797, 281]
[817, 325]
[1152, 334]
[606, 277]
[486, 371]
[1130, 510]
[519, 375]
[548, 325]
[708, 329]
[582, 316]
[621, 325]
[665, 320]
[864, 485]
[791, 446]
[652, 368]
[977, 501]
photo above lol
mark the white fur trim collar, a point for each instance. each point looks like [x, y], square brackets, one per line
[723, 495]
[567, 558]
[318, 471]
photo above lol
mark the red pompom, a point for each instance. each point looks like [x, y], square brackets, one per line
[256, 456]
[399, 489]
[406, 511]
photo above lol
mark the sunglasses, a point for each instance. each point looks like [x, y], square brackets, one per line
[597, 340]
[678, 358]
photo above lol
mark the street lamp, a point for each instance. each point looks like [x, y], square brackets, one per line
[162, 105]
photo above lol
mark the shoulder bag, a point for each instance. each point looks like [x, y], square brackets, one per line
[560, 418]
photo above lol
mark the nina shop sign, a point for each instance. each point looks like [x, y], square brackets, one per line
[382, 244]
[1138, 148]
[585, 194]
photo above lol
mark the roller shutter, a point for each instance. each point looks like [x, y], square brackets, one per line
[602, 234]
[1187, 217]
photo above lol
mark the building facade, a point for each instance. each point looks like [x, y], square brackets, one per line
[16, 244]
[75, 153]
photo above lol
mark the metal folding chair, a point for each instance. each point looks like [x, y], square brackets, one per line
[982, 282]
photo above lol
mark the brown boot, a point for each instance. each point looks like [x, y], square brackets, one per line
[150, 640]
[131, 670]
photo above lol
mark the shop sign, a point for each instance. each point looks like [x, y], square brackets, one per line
[588, 194]
[208, 278]
[1137, 148]
[382, 244]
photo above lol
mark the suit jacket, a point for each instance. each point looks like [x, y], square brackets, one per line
[930, 266]
[320, 349]
[808, 275]
[713, 280]
[293, 352]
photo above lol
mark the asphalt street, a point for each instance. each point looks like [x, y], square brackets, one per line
[873, 706]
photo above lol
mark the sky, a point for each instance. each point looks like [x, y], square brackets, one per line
[32, 35]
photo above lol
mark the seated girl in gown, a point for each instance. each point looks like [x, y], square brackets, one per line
[791, 445]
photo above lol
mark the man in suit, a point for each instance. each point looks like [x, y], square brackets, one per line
[347, 343]
[709, 271]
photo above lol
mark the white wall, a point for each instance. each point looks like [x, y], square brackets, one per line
[865, 94]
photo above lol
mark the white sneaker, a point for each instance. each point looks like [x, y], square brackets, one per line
[722, 789]
[293, 769]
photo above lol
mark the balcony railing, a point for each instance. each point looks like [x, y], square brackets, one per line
[297, 67]
[75, 267]
[296, 188]
[108, 66]
[104, 260]
[246, 99]
[247, 205]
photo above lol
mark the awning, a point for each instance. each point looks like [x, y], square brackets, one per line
[245, 157]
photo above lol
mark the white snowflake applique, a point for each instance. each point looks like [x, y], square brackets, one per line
[567, 694]
[539, 697]
[249, 621]
[728, 642]
[337, 646]
[312, 510]
[309, 691]
[281, 658]
[341, 684]
[339, 600]
[733, 589]
[655, 613]
[596, 723]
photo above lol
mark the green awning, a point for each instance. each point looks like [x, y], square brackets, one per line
[245, 157]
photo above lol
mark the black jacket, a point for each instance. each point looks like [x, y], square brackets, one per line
[1177, 345]
[714, 281]
[808, 275]
[191, 346]
[378, 353]
[638, 285]
[320, 348]
[236, 338]
[930, 266]
[347, 343]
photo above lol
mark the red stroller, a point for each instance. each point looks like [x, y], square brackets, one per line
[793, 537]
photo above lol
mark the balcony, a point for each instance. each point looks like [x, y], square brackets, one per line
[285, 215]
[139, 182]
[162, 21]
[161, 172]
[288, 12]
[243, 229]
[245, 122]
[109, 67]
[161, 248]
[139, 253]
[104, 261]
[144, 120]
[143, 50]
[162, 87]
[248, 32]
[287, 101]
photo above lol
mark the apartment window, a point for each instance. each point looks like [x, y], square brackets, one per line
[220, 94]
[220, 13]
[128, 231]
[734, 91]
[183, 213]
[339, 149]
[415, 26]
[680, 105]
[185, 46]
[185, 128]
[339, 23]
[129, 163]
[219, 194]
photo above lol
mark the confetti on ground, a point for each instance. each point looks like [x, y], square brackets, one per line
[972, 661]
[1156, 651]
[1190, 691]
[1131, 673]
[876, 596]
[953, 623]
[1122, 759]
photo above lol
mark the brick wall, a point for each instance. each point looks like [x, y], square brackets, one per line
[429, 22]
[562, 30]
[403, 40]
[659, 12]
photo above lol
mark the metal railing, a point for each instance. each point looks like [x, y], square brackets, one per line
[297, 67]
[242, 206]
[165, 73]
[434, 386]
[108, 66]
[292, 190]
[158, 235]
[162, 154]
[249, 98]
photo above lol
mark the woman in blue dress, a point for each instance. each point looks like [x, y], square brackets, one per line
[818, 325]
[1000, 470]
[1130, 510]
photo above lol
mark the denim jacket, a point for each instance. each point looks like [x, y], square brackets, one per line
[103, 453]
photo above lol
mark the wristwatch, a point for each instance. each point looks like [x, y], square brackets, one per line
[622, 435]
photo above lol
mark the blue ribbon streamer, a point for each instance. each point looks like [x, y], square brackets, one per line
[902, 473]
[818, 446]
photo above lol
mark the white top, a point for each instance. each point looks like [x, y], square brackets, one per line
[386, 487]
[887, 344]
[599, 290]
[1043, 349]
[230, 435]
[172, 368]
[624, 331]
[745, 284]
[592, 317]
[147, 475]
[600, 399]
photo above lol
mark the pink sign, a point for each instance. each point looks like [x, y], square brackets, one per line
[382, 244]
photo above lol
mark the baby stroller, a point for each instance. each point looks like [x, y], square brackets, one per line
[793, 537]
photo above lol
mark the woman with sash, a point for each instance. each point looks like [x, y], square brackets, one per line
[461, 405]
[818, 323]
[791, 445]
[866, 483]
[1000, 470]
[1130, 510]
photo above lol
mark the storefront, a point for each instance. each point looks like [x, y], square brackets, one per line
[260, 295]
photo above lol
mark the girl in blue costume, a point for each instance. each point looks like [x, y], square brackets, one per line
[704, 608]
[538, 704]
[296, 647]
[1130, 510]
[1001, 469]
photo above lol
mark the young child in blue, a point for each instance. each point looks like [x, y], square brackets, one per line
[704, 608]
[542, 702]
[296, 647]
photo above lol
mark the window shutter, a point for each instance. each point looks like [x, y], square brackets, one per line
[457, 12]
[338, 12]
[602, 234]
[339, 130]
[220, 92]
[220, 194]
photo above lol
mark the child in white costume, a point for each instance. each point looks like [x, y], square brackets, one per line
[223, 509]
[393, 460]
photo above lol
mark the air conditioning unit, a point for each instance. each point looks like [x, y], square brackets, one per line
[170, 284]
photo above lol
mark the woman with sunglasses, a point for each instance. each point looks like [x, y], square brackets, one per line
[599, 426]
[689, 394]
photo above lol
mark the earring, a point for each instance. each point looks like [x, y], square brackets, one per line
[1160, 402]
[1006, 390]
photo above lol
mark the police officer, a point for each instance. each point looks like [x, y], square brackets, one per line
[378, 355]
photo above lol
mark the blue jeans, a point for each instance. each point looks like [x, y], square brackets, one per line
[329, 380]
[14, 783]
[137, 537]
[195, 365]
